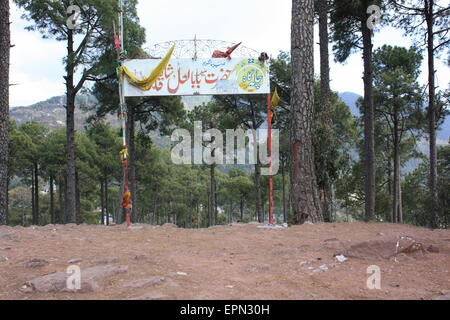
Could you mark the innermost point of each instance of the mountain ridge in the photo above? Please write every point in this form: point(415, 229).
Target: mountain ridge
point(52, 114)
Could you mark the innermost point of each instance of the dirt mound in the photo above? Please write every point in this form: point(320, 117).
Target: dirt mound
point(389, 247)
point(336, 244)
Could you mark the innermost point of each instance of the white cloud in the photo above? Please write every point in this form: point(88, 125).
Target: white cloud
point(30, 90)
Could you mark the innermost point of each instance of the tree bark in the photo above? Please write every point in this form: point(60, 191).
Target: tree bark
point(369, 140)
point(36, 193)
point(396, 189)
point(155, 211)
point(209, 205)
point(284, 189)
point(259, 213)
point(61, 189)
point(70, 185)
point(304, 193)
point(102, 201)
point(77, 200)
point(106, 200)
point(212, 195)
point(241, 208)
point(5, 44)
point(400, 203)
point(52, 200)
point(429, 17)
point(33, 200)
point(325, 94)
point(259, 216)
point(216, 201)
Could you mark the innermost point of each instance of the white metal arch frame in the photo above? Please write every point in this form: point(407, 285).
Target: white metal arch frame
point(199, 48)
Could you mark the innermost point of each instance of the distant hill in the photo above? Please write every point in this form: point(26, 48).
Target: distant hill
point(350, 99)
point(52, 113)
point(444, 133)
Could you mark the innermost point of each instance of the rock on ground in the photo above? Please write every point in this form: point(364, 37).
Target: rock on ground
point(36, 263)
point(9, 236)
point(169, 225)
point(92, 279)
point(106, 260)
point(147, 282)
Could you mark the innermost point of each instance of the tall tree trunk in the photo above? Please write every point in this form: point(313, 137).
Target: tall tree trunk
point(400, 203)
point(102, 201)
point(369, 140)
point(132, 161)
point(33, 200)
point(216, 201)
point(155, 211)
point(259, 217)
point(396, 189)
point(52, 200)
point(390, 182)
point(189, 218)
point(212, 195)
point(77, 199)
point(70, 194)
point(304, 193)
point(284, 189)
point(61, 192)
point(432, 116)
point(36, 192)
point(325, 95)
point(259, 213)
point(209, 205)
point(106, 200)
point(241, 208)
point(4, 108)
point(263, 212)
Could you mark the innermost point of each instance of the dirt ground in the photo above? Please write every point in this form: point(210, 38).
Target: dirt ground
point(231, 262)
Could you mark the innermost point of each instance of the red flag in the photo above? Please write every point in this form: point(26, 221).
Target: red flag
point(117, 42)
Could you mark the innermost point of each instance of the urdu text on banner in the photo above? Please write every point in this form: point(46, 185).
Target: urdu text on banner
point(188, 77)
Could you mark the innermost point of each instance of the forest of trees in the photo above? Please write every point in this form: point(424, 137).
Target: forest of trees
point(334, 166)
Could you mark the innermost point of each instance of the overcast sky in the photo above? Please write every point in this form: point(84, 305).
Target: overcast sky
point(264, 25)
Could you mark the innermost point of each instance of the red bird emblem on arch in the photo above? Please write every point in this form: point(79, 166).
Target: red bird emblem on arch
point(226, 54)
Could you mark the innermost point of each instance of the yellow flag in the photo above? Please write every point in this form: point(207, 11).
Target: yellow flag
point(147, 83)
point(275, 99)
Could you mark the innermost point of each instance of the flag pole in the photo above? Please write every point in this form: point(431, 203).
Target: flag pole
point(121, 53)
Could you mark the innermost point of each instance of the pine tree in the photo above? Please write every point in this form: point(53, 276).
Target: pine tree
point(350, 31)
point(304, 193)
point(4, 107)
point(429, 20)
point(54, 20)
point(322, 8)
point(398, 104)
